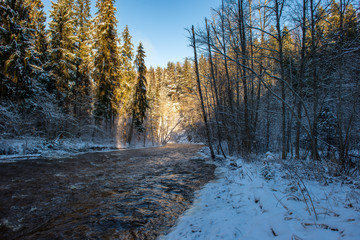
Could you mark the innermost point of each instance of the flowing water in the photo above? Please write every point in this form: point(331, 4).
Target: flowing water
point(129, 194)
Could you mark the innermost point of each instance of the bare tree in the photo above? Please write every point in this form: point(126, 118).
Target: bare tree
point(200, 94)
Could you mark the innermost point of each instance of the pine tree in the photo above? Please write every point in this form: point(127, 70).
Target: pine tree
point(82, 84)
point(342, 22)
point(62, 49)
point(22, 93)
point(16, 52)
point(140, 102)
point(152, 102)
point(170, 80)
point(188, 84)
point(327, 127)
point(106, 69)
point(37, 23)
point(128, 75)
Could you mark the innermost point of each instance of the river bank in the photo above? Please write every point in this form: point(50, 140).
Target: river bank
point(271, 199)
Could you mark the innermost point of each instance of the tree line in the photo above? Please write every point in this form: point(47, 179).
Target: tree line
point(76, 78)
point(281, 75)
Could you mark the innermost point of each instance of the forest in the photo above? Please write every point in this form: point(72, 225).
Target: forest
point(267, 75)
point(282, 76)
point(77, 78)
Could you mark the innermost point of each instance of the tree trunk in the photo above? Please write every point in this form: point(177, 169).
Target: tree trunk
point(314, 128)
point(300, 81)
point(215, 89)
point(207, 128)
point(241, 28)
point(278, 14)
point(129, 137)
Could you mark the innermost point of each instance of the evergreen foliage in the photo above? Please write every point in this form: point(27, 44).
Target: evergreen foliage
point(18, 61)
point(25, 103)
point(82, 89)
point(106, 62)
point(62, 50)
point(37, 23)
point(327, 127)
point(128, 74)
point(140, 101)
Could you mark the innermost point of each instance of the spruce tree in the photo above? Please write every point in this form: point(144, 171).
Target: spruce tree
point(140, 103)
point(345, 29)
point(83, 60)
point(106, 69)
point(22, 94)
point(83, 44)
point(37, 23)
point(128, 75)
point(171, 80)
point(188, 85)
point(62, 49)
point(16, 51)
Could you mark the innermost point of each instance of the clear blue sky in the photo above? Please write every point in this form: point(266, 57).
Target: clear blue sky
point(160, 25)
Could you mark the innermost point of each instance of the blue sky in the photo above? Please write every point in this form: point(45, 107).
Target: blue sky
point(160, 25)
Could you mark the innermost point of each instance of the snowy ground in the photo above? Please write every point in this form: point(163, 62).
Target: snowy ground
point(21, 149)
point(264, 200)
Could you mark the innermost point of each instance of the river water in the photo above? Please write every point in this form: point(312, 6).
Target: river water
point(128, 194)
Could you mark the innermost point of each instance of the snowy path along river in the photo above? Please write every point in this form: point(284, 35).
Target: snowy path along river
point(128, 194)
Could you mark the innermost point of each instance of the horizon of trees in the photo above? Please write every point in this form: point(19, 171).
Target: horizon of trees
point(78, 78)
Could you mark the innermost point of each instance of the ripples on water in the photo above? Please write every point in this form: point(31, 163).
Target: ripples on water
point(133, 194)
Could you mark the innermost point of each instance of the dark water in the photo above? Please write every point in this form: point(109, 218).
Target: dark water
point(132, 194)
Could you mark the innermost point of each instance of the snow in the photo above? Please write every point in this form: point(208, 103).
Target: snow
point(262, 199)
point(12, 150)
point(265, 200)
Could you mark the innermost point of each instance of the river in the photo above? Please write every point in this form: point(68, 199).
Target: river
point(126, 194)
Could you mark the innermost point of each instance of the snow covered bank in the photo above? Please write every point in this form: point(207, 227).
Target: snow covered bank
point(267, 200)
point(18, 149)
